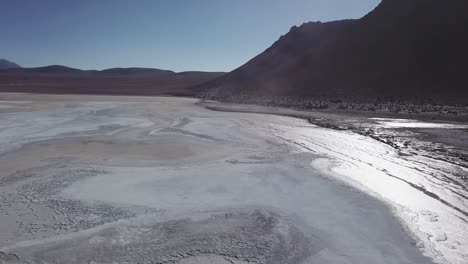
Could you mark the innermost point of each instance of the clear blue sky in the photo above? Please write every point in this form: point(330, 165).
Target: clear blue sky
point(209, 35)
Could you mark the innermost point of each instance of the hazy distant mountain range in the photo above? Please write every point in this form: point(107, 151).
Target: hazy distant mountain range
point(403, 48)
point(59, 69)
point(124, 81)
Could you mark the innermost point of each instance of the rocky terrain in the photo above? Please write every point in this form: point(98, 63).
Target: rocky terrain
point(387, 107)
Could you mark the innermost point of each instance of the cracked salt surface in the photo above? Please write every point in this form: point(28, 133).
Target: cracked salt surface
point(61, 120)
point(211, 187)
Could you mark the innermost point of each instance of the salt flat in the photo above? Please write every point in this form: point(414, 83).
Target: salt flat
point(90, 179)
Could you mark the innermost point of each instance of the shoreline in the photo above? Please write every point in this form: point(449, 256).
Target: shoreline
point(461, 117)
point(335, 122)
point(339, 121)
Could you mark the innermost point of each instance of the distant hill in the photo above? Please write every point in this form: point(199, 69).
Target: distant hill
point(60, 69)
point(403, 48)
point(127, 71)
point(52, 69)
point(5, 64)
point(118, 81)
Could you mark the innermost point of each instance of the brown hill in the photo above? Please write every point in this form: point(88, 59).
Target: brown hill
point(403, 48)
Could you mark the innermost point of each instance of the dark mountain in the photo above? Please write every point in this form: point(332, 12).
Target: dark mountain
point(5, 64)
point(403, 48)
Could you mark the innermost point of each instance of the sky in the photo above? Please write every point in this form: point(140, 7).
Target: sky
point(179, 35)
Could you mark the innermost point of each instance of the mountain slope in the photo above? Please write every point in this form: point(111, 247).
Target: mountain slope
point(403, 48)
point(5, 64)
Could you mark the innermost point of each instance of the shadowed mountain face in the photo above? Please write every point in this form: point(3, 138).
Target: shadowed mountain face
point(403, 48)
point(4, 64)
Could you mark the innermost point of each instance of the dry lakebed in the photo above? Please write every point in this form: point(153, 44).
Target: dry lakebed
point(102, 179)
